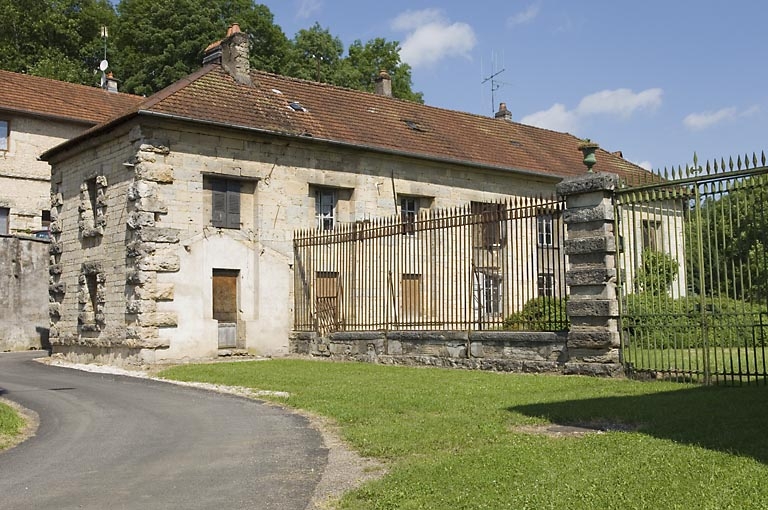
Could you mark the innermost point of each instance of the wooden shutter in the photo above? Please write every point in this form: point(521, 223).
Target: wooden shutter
point(219, 203)
point(233, 204)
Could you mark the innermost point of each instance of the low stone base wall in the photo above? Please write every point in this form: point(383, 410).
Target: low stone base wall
point(504, 351)
point(116, 356)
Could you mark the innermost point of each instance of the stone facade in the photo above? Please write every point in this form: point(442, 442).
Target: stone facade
point(24, 180)
point(152, 235)
point(23, 293)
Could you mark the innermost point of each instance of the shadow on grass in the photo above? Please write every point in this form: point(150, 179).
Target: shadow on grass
point(728, 419)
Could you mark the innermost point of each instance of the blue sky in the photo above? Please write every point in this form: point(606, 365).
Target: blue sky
point(655, 79)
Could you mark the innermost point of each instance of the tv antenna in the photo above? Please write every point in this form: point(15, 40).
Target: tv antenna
point(103, 65)
point(495, 85)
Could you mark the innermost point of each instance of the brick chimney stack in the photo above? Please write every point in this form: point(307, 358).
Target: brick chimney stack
point(110, 85)
point(232, 53)
point(503, 113)
point(383, 84)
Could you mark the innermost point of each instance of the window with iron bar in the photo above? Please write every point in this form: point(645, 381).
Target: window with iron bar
point(409, 210)
point(544, 229)
point(546, 284)
point(325, 208)
point(490, 230)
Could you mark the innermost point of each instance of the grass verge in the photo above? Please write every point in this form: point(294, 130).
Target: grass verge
point(11, 425)
point(461, 439)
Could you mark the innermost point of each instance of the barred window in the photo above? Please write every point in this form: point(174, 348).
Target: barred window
point(409, 210)
point(546, 284)
point(490, 225)
point(325, 208)
point(544, 228)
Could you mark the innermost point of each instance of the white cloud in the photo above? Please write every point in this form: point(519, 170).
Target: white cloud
point(432, 37)
point(704, 120)
point(411, 20)
point(620, 102)
point(644, 164)
point(523, 17)
point(557, 118)
point(308, 7)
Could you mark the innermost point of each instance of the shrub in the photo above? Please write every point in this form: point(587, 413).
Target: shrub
point(539, 314)
point(659, 321)
point(656, 273)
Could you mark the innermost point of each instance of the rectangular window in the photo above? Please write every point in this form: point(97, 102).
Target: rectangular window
point(325, 208)
point(225, 203)
point(5, 214)
point(91, 184)
point(91, 284)
point(45, 218)
point(489, 224)
point(546, 284)
point(488, 292)
point(651, 235)
point(409, 210)
point(544, 229)
point(410, 304)
point(4, 134)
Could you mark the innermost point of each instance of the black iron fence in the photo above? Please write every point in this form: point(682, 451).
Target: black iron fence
point(486, 266)
point(693, 273)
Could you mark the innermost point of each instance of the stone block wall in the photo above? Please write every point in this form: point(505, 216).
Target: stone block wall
point(505, 351)
point(24, 180)
point(23, 293)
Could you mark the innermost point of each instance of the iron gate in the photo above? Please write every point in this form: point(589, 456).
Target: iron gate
point(693, 273)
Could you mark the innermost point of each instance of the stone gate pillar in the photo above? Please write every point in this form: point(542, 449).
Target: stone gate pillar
point(590, 244)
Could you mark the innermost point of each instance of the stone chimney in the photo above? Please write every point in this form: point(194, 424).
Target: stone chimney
point(110, 83)
point(503, 113)
point(232, 53)
point(383, 84)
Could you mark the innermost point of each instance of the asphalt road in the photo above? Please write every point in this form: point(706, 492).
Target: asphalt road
point(115, 442)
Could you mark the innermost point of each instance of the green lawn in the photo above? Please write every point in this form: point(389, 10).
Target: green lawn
point(10, 425)
point(453, 438)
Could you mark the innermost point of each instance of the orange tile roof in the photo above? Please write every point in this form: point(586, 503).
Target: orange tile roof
point(361, 119)
point(32, 95)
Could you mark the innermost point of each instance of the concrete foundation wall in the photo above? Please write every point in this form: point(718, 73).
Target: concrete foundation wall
point(23, 294)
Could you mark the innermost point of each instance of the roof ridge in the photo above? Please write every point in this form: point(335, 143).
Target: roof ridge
point(60, 83)
point(257, 72)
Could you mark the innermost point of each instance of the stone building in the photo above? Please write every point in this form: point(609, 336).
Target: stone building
point(173, 222)
point(35, 115)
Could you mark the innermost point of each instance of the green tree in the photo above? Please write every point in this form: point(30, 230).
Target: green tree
point(160, 41)
point(315, 55)
point(58, 39)
point(364, 62)
point(731, 256)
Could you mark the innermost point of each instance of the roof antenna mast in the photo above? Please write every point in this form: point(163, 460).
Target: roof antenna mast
point(104, 64)
point(495, 85)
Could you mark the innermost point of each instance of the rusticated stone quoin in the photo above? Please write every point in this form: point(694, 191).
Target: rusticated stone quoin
point(593, 340)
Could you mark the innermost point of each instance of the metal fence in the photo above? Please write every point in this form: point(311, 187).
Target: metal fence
point(693, 278)
point(480, 267)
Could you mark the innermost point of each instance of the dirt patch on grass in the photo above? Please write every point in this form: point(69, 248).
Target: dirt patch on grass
point(575, 430)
